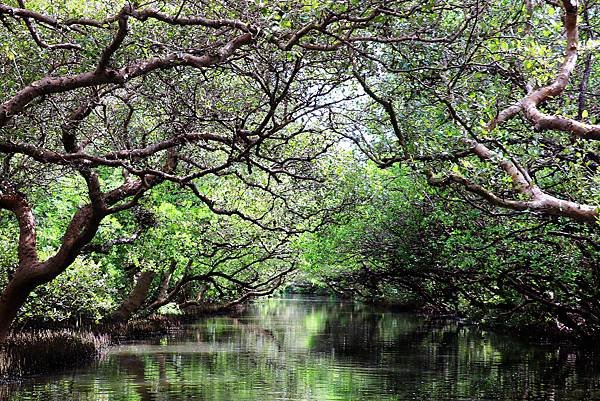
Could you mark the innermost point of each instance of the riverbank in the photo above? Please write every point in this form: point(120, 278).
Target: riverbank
point(531, 332)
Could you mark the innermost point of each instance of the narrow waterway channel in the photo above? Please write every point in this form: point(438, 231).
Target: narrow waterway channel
point(317, 349)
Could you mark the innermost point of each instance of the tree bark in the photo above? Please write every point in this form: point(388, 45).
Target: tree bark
point(135, 299)
point(11, 300)
point(165, 296)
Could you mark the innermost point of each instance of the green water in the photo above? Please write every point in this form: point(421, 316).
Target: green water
point(314, 349)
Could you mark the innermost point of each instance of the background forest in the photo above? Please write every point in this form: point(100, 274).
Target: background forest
point(188, 156)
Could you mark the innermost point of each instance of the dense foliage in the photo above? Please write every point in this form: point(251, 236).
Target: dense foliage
point(417, 247)
point(173, 156)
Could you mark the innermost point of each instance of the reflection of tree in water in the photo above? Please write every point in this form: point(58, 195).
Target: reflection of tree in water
point(350, 334)
point(330, 350)
point(135, 368)
point(449, 358)
point(440, 359)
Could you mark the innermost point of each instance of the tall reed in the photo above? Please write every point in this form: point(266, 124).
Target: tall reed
point(29, 353)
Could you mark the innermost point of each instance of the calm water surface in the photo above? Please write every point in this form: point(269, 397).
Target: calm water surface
point(311, 349)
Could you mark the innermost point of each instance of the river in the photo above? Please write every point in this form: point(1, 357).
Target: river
point(318, 349)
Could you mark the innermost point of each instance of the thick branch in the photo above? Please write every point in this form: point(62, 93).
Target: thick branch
point(16, 203)
point(537, 199)
point(116, 42)
point(530, 103)
point(51, 85)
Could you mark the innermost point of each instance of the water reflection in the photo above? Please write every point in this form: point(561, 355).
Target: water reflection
point(303, 349)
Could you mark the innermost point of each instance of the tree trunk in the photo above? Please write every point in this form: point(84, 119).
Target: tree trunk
point(164, 296)
point(81, 230)
point(11, 300)
point(135, 299)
